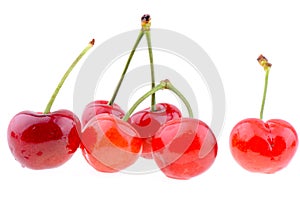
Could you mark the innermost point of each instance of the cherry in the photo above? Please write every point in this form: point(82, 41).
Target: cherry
point(45, 140)
point(264, 147)
point(41, 141)
point(92, 109)
point(184, 148)
point(110, 144)
point(102, 106)
point(147, 123)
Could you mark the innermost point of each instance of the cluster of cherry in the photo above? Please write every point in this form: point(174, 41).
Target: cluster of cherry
point(112, 140)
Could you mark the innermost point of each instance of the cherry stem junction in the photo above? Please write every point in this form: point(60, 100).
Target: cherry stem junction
point(146, 27)
point(267, 66)
point(165, 84)
point(60, 84)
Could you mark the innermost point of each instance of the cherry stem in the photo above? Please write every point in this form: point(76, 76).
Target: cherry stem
point(112, 100)
point(264, 94)
point(165, 84)
point(146, 27)
point(83, 52)
point(267, 66)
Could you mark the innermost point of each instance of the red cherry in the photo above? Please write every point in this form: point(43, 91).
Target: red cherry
point(100, 107)
point(92, 109)
point(184, 148)
point(265, 147)
point(42, 141)
point(46, 140)
point(147, 123)
point(110, 144)
point(260, 146)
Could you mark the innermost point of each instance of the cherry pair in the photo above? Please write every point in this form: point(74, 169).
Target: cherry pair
point(182, 148)
point(105, 128)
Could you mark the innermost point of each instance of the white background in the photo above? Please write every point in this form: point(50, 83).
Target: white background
point(39, 41)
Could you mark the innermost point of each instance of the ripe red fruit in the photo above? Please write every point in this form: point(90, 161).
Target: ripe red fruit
point(260, 146)
point(46, 140)
point(110, 144)
point(42, 141)
point(147, 123)
point(184, 148)
point(100, 107)
point(263, 146)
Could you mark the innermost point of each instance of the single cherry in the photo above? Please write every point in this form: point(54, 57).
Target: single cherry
point(184, 148)
point(110, 144)
point(264, 147)
point(49, 139)
point(147, 123)
point(42, 141)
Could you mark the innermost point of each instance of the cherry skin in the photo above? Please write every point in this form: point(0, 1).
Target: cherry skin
point(43, 141)
point(100, 107)
point(147, 123)
point(110, 144)
point(264, 147)
point(184, 148)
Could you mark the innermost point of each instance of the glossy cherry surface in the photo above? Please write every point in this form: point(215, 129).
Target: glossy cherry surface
point(100, 107)
point(265, 147)
point(147, 123)
point(110, 144)
point(184, 148)
point(42, 141)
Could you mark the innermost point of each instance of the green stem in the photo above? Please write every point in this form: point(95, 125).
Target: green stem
point(183, 99)
point(166, 84)
point(153, 102)
point(265, 92)
point(111, 102)
point(140, 100)
point(83, 52)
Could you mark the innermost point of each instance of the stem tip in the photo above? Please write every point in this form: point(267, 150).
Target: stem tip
point(146, 18)
point(92, 42)
point(263, 61)
point(146, 22)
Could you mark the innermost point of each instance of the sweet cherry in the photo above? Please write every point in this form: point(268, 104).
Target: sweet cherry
point(147, 123)
point(184, 148)
point(41, 141)
point(45, 140)
point(264, 147)
point(110, 144)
